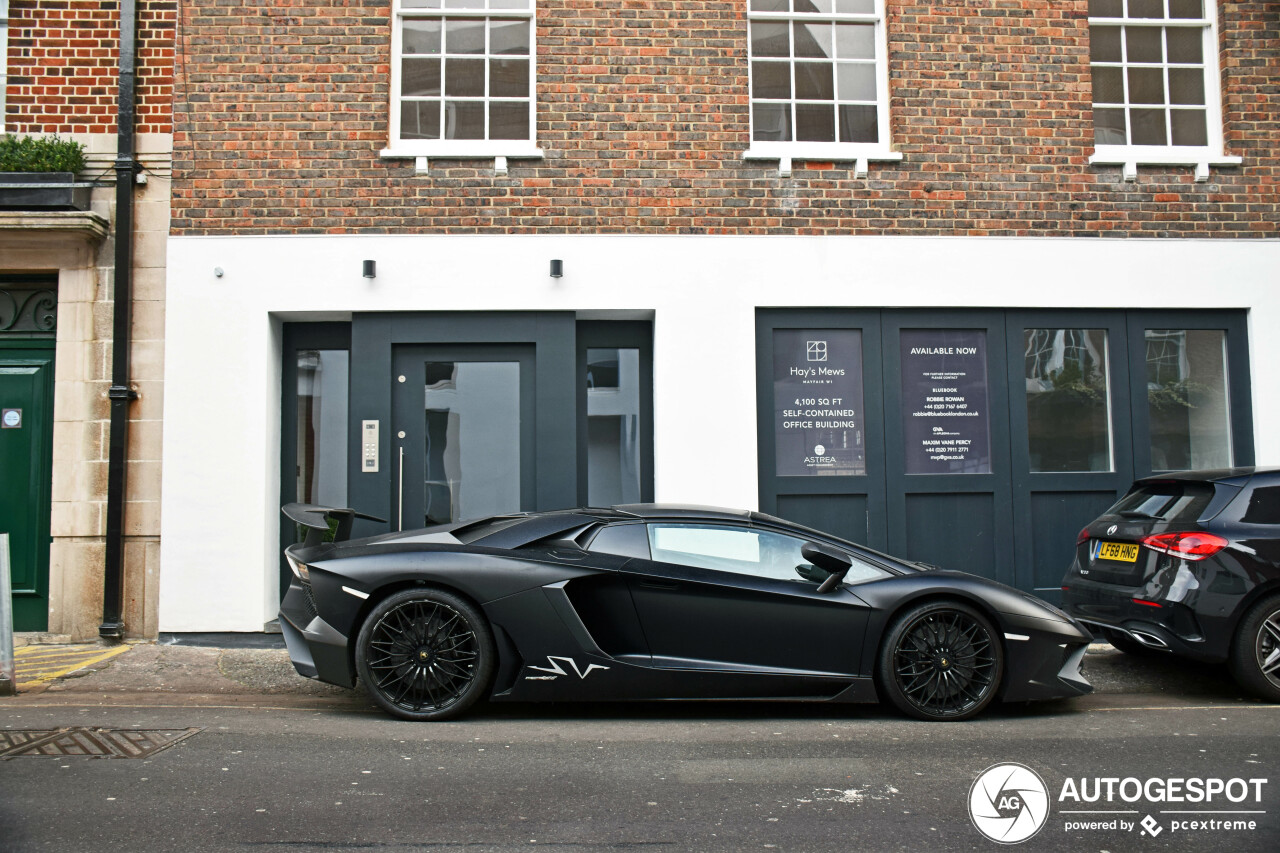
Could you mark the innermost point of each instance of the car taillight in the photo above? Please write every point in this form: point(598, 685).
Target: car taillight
point(1188, 546)
point(1083, 535)
point(1144, 601)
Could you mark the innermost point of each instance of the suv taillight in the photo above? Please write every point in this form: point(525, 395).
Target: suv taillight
point(1188, 546)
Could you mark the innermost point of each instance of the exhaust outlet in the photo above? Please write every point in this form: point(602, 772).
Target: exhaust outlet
point(1149, 640)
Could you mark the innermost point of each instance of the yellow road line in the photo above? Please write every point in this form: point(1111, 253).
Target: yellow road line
point(25, 676)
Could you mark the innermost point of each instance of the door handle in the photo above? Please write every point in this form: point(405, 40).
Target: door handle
point(400, 490)
point(659, 585)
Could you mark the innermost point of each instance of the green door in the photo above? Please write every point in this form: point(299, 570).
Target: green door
point(26, 455)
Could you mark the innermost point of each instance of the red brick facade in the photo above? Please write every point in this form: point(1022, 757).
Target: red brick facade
point(642, 113)
point(63, 66)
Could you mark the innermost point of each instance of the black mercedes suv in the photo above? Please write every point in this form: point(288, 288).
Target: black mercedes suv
point(1188, 563)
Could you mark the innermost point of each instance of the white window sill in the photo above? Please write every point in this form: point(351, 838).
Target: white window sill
point(498, 152)
point(787, 153)
point(1130, 157)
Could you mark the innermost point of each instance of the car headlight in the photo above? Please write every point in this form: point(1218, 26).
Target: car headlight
point(300, 569)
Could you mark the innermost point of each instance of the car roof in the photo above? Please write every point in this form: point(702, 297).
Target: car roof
point(1231, 476)
point(682, 511)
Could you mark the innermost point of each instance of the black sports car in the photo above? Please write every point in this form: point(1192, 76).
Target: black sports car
point(658, 602)
point(1188, 563)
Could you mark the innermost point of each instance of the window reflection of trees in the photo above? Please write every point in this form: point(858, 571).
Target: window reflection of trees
point(1068, 421)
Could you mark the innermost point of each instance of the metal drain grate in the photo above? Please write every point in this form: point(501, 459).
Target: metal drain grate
point(95, 743)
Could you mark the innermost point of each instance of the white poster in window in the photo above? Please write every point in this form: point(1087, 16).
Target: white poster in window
point(817, 402)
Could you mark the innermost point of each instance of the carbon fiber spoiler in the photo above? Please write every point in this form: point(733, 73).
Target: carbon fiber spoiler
point(316, 519)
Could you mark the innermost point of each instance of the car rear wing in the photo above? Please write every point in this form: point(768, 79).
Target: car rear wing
point(317, 519)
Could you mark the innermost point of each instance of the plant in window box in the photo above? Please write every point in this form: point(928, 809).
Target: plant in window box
point(38, 173)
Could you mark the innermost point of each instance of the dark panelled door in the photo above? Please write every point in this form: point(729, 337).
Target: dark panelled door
point(26, 448)
point(462, 432)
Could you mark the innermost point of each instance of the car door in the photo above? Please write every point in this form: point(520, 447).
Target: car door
point(716, 596)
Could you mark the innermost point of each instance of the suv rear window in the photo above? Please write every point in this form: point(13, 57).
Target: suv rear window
point(1171, 501)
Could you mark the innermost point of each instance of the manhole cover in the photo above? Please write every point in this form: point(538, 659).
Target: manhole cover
point(95, 743)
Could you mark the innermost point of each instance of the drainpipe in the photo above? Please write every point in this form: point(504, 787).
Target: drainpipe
point(120, 393)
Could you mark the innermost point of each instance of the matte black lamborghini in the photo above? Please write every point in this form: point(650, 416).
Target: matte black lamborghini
point(658, 602)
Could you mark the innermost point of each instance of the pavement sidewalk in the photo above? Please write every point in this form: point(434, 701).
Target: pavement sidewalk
point(158, 674)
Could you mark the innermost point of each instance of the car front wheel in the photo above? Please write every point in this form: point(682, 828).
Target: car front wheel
point(1255, 653)
point(425, 654)
point(941, 661)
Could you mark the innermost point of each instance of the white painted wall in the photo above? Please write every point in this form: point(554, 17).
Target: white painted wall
point(222, 390)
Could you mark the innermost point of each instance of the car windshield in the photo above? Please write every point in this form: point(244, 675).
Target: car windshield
point(1171, 500)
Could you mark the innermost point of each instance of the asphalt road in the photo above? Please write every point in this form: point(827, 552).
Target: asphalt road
point(323, 771)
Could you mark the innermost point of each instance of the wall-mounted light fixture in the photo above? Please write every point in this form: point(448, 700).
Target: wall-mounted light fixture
point(370, 269)
point(557, 268)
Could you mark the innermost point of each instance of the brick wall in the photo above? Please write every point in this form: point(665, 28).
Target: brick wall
point(643, 115)
point(63, 66)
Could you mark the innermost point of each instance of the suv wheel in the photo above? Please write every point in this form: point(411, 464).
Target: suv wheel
point(1255, 652)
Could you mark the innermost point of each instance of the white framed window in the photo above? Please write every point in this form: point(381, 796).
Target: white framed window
point(462, 79)
point(1156, 90)
point(819, 81)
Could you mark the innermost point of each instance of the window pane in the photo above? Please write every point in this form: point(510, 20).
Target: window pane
point(771, 122)
point(420, 119)
point(1108, 127)
point(815, 123)
point(1146, 8)
point(769, 39)
point(420, 77)
point(464, 77)
point(1104, 44)
point(613, 426)
point(1187, 398)
point(421, 4)
point(1186, 45)
point(759, 553)
point(1264, 506)
point(813, 6)
point(770, 5)
point(1185, 9)
point(421, 36)
point(813, 81)
point(813, 40)
point(1108, 85)
point(1144, 44)
point(464, 35)
point(1148, 127)
point(860, 7)
point(857, 81)
point(472, 452)
point(856, 41)
point(1106, 8)
point(1068, 407)
point(1186, 86)
point(509, 78)
point(464, 120)
point(509, 37)
point(859, 123)
point(1189, 127)
point(1146, 85)
point(509, 120)
point(322, 427)
point(771, 79)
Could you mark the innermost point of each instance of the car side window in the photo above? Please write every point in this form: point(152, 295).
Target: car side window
point(1264, 506)
point(741, 550)
point(623, 540)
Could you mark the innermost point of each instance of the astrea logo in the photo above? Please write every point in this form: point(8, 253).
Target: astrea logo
point(1008, 803)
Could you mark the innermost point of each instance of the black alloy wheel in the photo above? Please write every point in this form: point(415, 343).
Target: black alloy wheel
point(941, 661)
point(425, 654)
point(1255, 653)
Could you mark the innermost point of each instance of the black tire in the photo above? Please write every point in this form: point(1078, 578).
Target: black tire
point(1255, 651)
point(941, 660)
point(426, 654)
point(1124, 643)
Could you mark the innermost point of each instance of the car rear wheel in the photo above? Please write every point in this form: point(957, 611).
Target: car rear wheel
point(941, 661)
point(1255, 653)
point(425, 654)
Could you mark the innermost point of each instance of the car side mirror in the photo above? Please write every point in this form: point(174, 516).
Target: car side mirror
point(812, 573)
point(835, 563)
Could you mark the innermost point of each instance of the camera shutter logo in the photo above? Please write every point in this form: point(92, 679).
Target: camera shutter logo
point(1009, 803)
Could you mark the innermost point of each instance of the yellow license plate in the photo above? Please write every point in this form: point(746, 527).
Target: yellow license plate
point(1125, 552)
